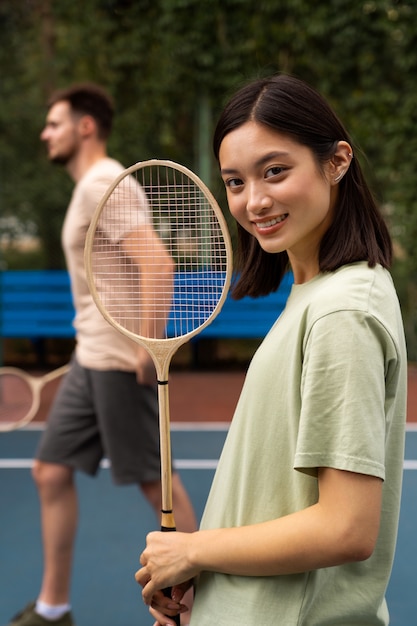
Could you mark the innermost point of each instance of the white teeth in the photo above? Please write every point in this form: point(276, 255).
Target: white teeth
point(272, 222)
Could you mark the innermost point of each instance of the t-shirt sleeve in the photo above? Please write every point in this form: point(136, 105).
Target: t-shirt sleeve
point(342, 421)
point(126, 210)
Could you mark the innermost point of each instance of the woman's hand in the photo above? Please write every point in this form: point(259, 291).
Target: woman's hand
point(163, 608)
point(165, 563)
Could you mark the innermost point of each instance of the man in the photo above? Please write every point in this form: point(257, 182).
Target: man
point(107, 403)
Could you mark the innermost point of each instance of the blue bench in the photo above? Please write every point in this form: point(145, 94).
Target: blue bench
point(37, 304)
point(248, 318)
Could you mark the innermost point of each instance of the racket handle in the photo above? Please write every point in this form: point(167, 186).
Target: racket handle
point(167, 590)
point(176, 618)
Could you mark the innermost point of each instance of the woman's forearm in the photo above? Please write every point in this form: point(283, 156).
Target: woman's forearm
point(342, 527)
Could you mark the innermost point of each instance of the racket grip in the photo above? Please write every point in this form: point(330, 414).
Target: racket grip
point(167, 590)
point(176, 618)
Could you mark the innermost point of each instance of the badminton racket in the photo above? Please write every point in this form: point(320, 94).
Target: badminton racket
point(158, 261)
point(20, 395)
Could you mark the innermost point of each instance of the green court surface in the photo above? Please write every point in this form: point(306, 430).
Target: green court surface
point(114, 522)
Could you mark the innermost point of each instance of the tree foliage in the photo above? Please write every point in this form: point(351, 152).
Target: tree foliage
point(170, 65)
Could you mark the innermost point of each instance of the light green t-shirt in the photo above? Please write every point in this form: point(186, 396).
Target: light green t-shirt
point(326, 388)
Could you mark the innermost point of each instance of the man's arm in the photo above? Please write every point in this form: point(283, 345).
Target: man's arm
point(156, 278)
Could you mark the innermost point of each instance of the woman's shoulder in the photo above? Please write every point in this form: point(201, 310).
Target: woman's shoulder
point(355, 287)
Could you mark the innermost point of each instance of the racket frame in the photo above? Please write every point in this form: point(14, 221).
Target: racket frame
point(160, 350)
point(36, 385)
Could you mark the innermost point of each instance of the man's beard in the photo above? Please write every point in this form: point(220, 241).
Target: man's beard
point(61, 159)
point(64, 157)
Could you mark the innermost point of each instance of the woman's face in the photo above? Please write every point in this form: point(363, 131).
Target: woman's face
point(277, 192)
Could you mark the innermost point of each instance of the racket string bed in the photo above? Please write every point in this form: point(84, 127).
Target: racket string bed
point(20, 395)
point(16, 398)
point(168, 203)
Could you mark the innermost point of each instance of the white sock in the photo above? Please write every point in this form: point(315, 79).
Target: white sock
point(51, 611)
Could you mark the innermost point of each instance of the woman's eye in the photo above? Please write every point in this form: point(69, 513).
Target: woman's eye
point(233, 182)
point(276, 170)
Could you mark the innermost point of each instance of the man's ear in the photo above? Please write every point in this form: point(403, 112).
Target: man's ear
point(340, 161)
point(87, 125)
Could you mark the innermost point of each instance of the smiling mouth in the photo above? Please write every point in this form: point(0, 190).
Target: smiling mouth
point(271, 222)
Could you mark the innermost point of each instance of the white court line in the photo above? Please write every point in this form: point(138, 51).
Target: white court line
point(197, 426)
point(16, 463)
point(183, 464)
point(410, 464)
point(180, 464)
point(175, 426)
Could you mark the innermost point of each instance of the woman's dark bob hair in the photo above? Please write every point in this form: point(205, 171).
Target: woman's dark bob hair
point(358, 231)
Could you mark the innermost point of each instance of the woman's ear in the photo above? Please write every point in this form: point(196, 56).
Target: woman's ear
point(340, 162)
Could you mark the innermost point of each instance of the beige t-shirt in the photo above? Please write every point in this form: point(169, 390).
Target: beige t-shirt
point(326, 388)
point(98, 345)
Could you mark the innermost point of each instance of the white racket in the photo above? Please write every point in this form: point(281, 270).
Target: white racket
point(157, 214)
point(20, 395)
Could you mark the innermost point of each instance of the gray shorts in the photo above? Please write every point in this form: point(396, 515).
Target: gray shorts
point(104, 413)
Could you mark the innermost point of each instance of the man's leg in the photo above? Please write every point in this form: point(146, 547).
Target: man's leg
point(185, 519)
point(59, 515)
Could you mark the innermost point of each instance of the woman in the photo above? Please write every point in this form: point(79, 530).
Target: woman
point(301, 521)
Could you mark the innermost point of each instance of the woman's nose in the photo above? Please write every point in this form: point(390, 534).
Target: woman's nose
point(258, 198)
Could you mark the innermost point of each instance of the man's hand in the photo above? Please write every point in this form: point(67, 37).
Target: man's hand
point(145, 368)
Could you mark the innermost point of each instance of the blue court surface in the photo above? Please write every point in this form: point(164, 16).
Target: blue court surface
point(114, 522)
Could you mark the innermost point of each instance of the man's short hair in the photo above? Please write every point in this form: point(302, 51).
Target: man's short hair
point(88, 99)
